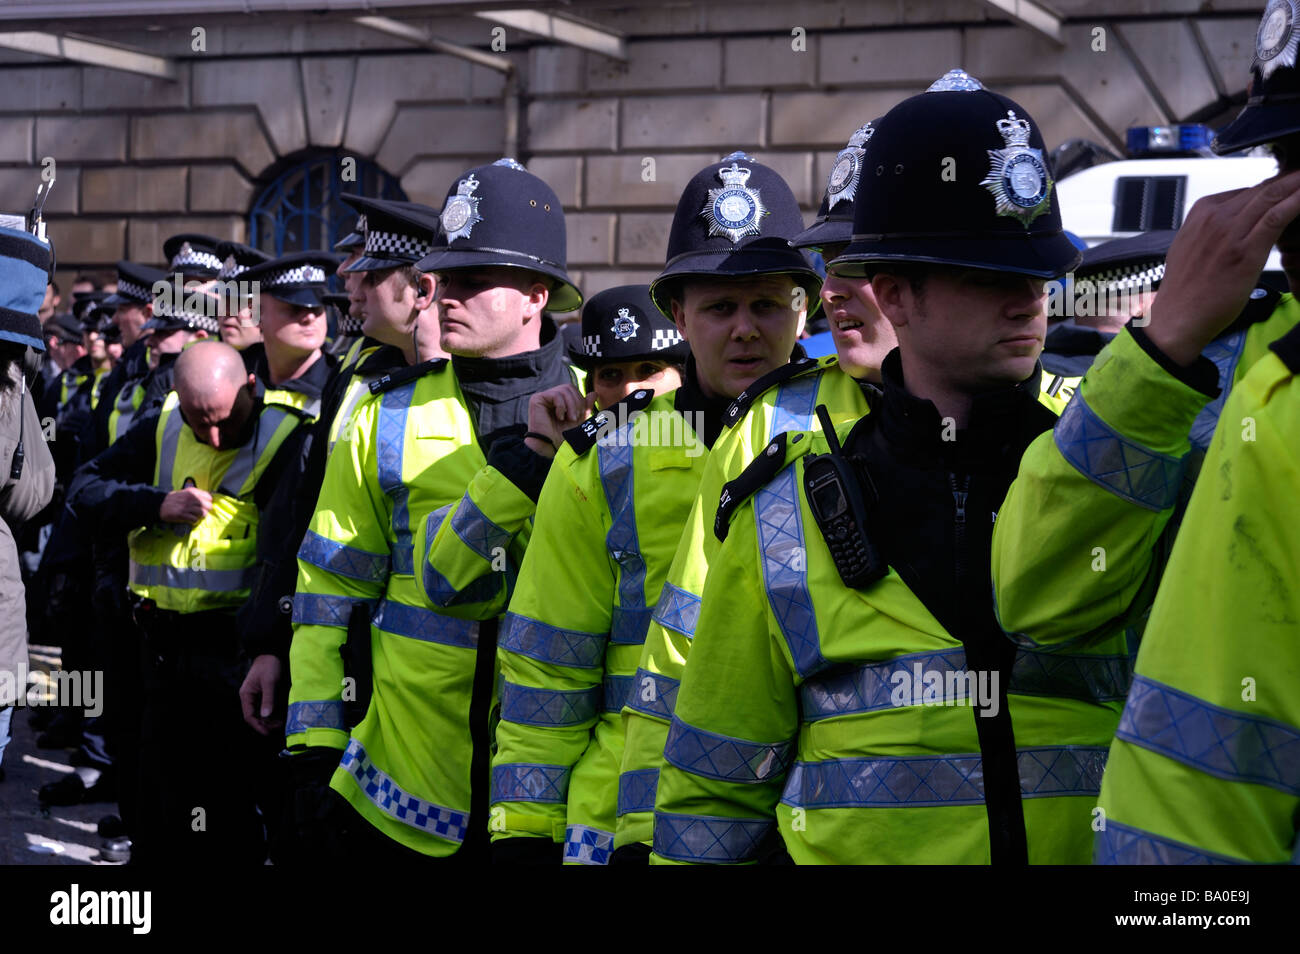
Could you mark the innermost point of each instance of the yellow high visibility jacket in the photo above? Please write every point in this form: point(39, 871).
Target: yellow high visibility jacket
point(208, 565)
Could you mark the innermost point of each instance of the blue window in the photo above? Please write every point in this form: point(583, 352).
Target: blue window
point(302, 208)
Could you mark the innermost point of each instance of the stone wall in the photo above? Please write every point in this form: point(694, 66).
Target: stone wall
point(139, 159)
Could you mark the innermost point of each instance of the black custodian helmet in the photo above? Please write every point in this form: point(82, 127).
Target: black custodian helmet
point(1273, 95)
point(958, 176)
point(735, 217)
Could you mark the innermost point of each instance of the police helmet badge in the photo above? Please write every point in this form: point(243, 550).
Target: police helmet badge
point(460, 214)
point(734, 210)
point(509, 164)
point(1018, 177)
point(230, 265)
point(843, 181)
point(1276, 40)
point(958, 81)
point(625, 326)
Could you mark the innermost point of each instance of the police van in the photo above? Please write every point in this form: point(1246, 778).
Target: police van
point(1169, 168)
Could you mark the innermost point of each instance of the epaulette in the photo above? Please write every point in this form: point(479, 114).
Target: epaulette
point(583, 437)
point(395, 379)
point(792, 369)
point(769, 462)
point(1288, 349)
point(383, 358)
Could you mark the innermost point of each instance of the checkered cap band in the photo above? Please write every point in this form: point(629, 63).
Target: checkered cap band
point(349, 327)
point(196, 257)
point(299, 275)
point(128, 289)
point(1126, 276)
point(162, 308)
point(233, 270)
point(409, 248)
point(591, 346)
point(664, 338)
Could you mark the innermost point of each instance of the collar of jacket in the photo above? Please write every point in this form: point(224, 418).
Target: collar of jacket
point(690, 399)
point(1066, 337)
point(497, 379)
point(996, 418)
point(311, 382)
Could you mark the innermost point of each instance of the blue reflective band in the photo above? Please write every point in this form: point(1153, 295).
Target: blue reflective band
point(678, 610)
point(1061, 770)
point(438, 588)
point(1109, 459)
point(628, 626)
point(526, 782)
point(314, 609)
point(795, 405)
point(1118, 844)
point(404, 559)
point(636, 791)
point(548, 707)
point(1225, 353)
point(587, 846)
point(390, 449)
point(617, 689)
point(725, 758)
point(926, 781)
point(318, 714)
point(389, 798)
point(874, 686)
point(1211, 739)
point(653, 694)
point(477, 532)
point(785, 573)
point(615, 462)
point(417, 622)
point(917, 781)
point(708, 838)
point(343, 560)
point(552, 644)
point(1084, 677)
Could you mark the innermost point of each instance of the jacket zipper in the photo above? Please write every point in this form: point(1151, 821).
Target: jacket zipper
point(959, 524)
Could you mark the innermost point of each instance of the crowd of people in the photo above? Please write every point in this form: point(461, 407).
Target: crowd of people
point(413, 573)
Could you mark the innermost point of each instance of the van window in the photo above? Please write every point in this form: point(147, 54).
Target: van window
point(1143, 203)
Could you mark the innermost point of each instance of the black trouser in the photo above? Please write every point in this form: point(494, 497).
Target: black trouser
point(207, 780)
point(345, 837)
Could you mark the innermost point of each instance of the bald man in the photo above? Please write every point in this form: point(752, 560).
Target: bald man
point(191, 482)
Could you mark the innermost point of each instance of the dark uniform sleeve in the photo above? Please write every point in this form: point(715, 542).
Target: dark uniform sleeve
point(115, 490)
point(286, 496)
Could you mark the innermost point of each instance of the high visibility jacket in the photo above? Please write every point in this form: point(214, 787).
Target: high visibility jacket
point(607, 526)
point(765, 410)
point(851, 730)
point(125, 403)
point(411, 450)
point(96, 385)
point(1203, 768)
point(471, 550)
point(358, 387)
point(1080, 542)
point(208, 565)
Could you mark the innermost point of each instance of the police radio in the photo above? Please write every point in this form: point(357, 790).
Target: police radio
point(833, 495)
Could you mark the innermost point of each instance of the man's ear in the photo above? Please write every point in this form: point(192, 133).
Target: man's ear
point(893, 296)
point(538, 294)
point(679, 317)
point(425, 291)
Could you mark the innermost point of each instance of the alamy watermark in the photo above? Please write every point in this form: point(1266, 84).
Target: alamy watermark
point(1067, 298)
point(946, 687)
point(621, 427)
point(215, 299)
point(73, 689)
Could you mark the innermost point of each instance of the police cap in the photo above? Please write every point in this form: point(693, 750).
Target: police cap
point(623, 324)
point(1273, 93)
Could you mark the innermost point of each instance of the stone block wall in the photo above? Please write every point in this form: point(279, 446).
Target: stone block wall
point(138, 158)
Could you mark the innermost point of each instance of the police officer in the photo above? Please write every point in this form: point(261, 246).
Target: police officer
point(1199, 771)
point(1086, 528)
point(238, 329)
point(191, 483)
point(778, 401)
point(853, 585)
point(611, 513)
point(414, 772)
point(624, 352)
point(194, 256)
point(124, 391)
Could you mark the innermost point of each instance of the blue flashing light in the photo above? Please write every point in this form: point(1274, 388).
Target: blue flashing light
point(1182, 139)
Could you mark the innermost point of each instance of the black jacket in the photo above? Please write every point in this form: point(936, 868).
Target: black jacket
point(933, 523)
